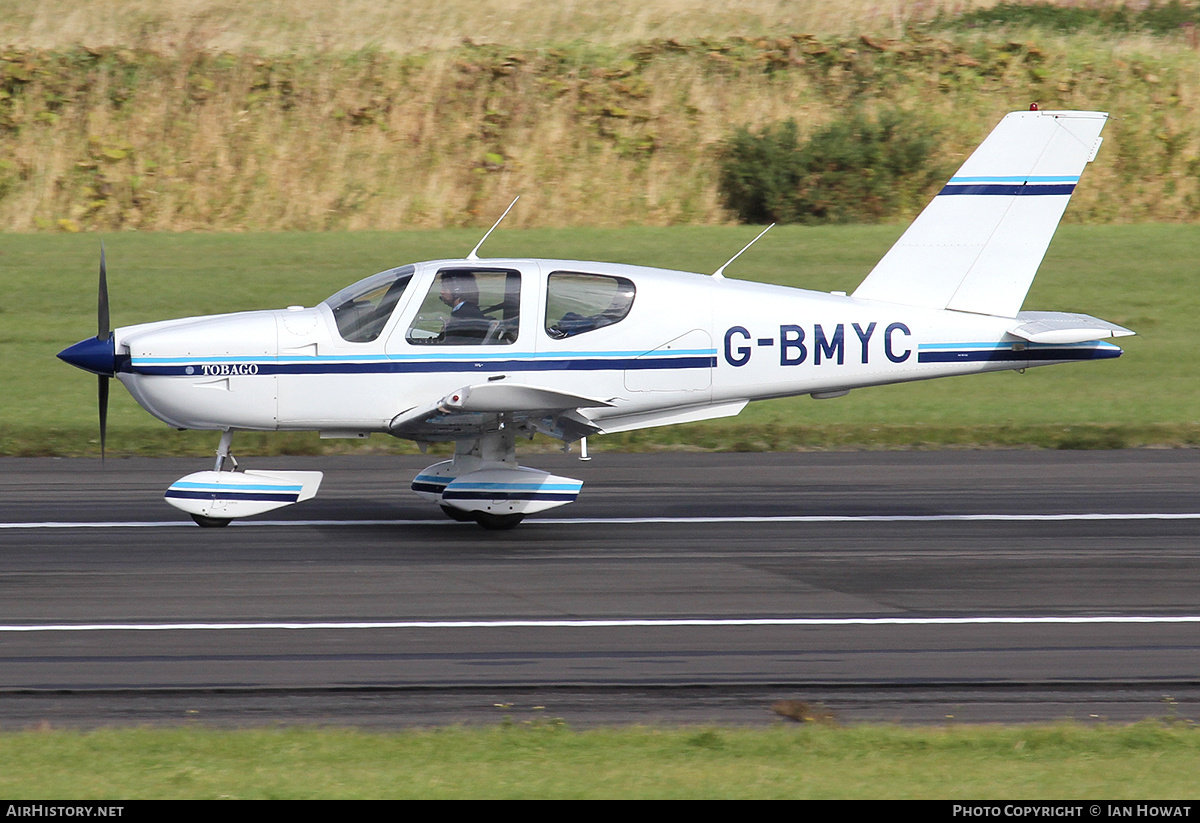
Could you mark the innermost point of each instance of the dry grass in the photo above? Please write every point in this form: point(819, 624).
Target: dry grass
point(276, 116)
point(363, 144)
point(276, 26)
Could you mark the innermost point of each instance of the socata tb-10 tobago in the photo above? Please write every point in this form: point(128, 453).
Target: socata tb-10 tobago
point(483, 351)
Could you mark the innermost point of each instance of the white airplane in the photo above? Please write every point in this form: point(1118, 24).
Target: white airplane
point(483, 351)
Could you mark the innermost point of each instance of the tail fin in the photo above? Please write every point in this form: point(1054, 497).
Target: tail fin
point(977, 246)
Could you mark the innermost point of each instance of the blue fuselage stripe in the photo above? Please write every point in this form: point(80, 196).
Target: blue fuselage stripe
point(195, 368)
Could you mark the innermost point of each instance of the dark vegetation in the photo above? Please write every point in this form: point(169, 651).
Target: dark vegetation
point(859, 168)
point(1154, 18)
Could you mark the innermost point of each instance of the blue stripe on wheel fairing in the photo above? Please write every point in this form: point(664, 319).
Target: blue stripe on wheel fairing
point(237, 486)
point(188, 490)
point(454, 494)
point(576, 486)
point(484, 490)
point(231, 493)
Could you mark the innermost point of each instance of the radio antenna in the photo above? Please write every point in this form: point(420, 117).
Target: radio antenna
point(720, 273)
point(473, 255)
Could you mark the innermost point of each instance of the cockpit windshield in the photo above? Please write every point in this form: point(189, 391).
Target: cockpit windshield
point(362, 310)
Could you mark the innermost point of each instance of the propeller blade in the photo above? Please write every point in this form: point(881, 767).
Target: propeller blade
point(102, 326)
point(103, 398)
point(103, 330)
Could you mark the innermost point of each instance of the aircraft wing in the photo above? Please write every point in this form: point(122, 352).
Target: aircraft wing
point(473, 410)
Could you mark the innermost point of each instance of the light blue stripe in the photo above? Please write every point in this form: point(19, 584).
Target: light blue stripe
point(945, 346)
point(367, 358)
point(544, 487)
point(1020, 178)
point(262, 358)
point(963, 345)
point(639, 353)
point(235, 487)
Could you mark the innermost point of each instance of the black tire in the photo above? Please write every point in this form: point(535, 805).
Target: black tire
point(210, 522)
point(498, 522)
point(457, 514)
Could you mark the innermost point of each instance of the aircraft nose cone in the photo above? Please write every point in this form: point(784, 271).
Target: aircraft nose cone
point(93, 354)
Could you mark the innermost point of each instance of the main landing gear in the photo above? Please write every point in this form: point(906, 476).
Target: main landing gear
point(483, 483)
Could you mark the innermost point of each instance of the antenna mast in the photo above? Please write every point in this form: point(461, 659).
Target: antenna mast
point(473, 255)
point(720, 273)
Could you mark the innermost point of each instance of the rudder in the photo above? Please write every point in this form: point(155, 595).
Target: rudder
point(978, 245)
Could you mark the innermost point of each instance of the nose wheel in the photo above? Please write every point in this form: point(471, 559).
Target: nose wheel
point(497, 522)
point(210, 522)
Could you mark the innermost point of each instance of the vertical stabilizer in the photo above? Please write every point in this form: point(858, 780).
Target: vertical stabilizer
point(978, 245)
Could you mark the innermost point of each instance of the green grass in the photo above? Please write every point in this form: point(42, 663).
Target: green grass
point(1141, 276)
point(548, 760)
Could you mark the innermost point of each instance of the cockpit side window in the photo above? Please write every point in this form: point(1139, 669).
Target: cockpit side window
point(362, 310)
point(469, 307)
point(577, 303)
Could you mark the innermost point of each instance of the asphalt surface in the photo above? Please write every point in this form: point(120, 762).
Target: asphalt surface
point(912, 587)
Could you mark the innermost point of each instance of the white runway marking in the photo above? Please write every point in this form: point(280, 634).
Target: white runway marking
point(597, 521)
point(603, 623)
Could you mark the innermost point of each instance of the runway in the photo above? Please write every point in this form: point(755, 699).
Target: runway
point(916, 587)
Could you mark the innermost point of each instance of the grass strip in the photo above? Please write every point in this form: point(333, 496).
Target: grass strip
point(547, 759)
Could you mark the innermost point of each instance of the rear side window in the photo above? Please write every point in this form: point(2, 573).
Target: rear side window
point(577, 303)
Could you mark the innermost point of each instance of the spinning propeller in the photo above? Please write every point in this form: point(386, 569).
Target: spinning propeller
point(97, 354)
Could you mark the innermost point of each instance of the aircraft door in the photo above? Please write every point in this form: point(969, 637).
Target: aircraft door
point(681, 364)
point(676, 349)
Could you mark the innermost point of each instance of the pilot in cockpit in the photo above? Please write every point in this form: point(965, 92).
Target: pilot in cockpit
point(467, 322)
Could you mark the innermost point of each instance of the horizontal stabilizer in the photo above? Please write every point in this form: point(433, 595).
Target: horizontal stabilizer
point(978, 245)
point(1059, 327)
